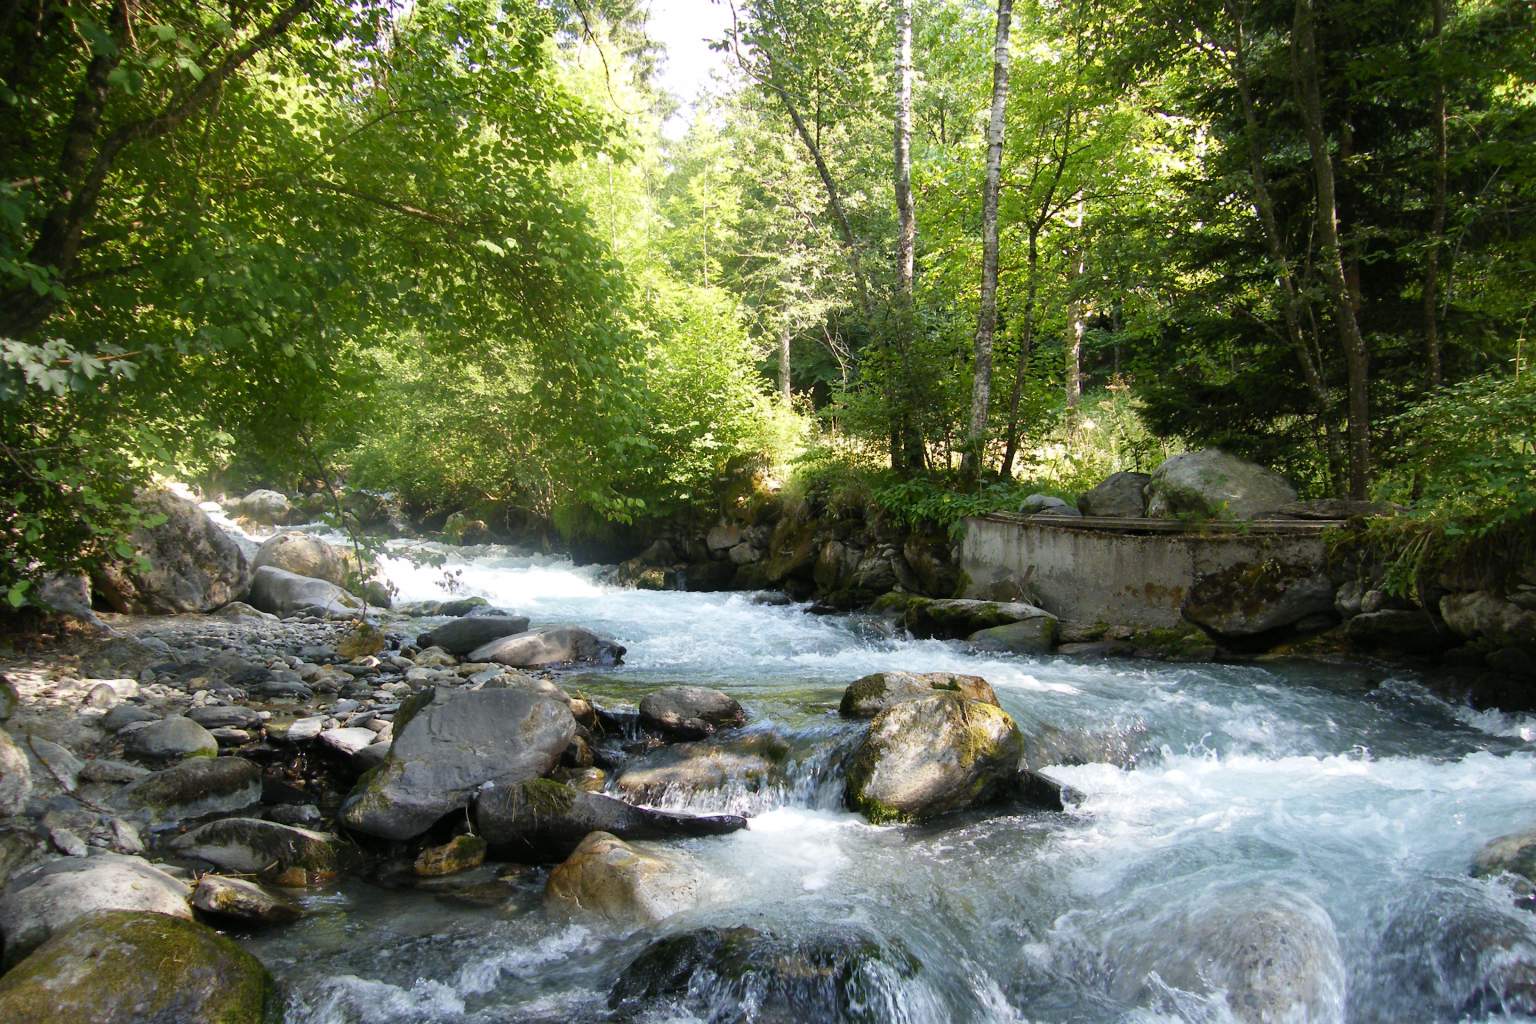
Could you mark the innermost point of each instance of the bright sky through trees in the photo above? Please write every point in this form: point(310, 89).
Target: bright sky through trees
point(685, 28)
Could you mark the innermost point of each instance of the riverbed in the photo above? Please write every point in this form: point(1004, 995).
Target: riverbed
point(1347, 800)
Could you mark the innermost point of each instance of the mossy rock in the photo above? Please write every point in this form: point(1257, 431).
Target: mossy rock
point(872, 694)
point(131, 967)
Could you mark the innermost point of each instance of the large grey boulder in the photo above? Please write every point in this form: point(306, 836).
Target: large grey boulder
point(1252, 600)
point(303, 554)
point(15, 776)
point(954, 618)
point(689, 712)
point(1514, 854)
point(463, 635)
point(253, 846)
point(926, 757)
point(270, 508)
point(868, 696)
point(129, 967)
point(542, 822)
point(192, 564)
point(1121, 495)
point(550, 645)
point(51, 897)
point(449, 743)
point(284, 594)
point(193, 788)
point(605, 877)
point(1210, 484)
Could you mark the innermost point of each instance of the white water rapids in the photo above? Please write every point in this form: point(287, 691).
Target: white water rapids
point(1338, 808)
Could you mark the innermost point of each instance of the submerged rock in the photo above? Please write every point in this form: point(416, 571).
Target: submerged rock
point(463, 635)
point(542, 821)
point(872, 694)
point(49, 898)
point(236, 899)
point(606, 877)
point(127, 967)
point(724, 974)
point(447, 744)
point(1210, 484)
point(682, 769)
point(253, 846)
point(1514, 854)
point(550, 645)
point(461, 853)
point(195, 787)
point(930, 756)
point(690, 712)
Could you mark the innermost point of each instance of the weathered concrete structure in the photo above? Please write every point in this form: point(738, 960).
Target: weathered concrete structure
point(1133, 572)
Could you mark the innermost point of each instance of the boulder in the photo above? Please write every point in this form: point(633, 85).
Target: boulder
point(1210, 484)
point(269, 508)
point(540, 821)
point(929, 756)
point(303, 554)
point(284, 594)
point(49, 898)
point(722, 537)
point(689, 712)
point(193, 788)
point(680, 770)
point(461, 853)
point(124, 715)
point(463, 635)
point(1045, 504)
point(1027, 636)
point(1484, 615)
point(1254, 599)
point(953, 618)
point(240, 611)
point(867, 697)
point(930, 557)
point(69, 594)
point(348, 742)
point(464, 528)
point(607, 878)
point(127, 967)
point(15, 776)
point(841, 973)
point(188, 563)
point(1121, 495)
point(1514, 854)
point(242, 901)
point(548, 646)
point(251, 846)
point(171, 739)
point(1397, 631)
point(449, 743)
point(363, 640)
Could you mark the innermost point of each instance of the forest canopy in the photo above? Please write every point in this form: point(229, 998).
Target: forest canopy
point(457, 253)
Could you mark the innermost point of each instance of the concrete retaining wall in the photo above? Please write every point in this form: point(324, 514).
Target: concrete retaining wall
point(1133, 572)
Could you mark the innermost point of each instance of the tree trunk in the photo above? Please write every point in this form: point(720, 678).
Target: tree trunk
point(906, 440)
point(1331, 255)
point(1026, 341)
point(986, 320)
point(1437, 215)
point(835, 201)
point(784, 338)
point(1073, 343)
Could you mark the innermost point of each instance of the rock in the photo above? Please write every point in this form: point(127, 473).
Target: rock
point(745, 761)
point(1121, 495)
point(139, 968)
point(449, 743)
point(124, 715)
point(286, 594)
point(463, 635)
point(106, 770)
point(239, 610)
point(954, 618)
point(49, 898)
point(722, 537)
point(606, 877)
point(300, 730)
point(172, 738)
point(348, 742)
point(269, 508)
point(193, 788)
point(15, 777)
point(842, 973)
point(303, 554)
point(540, 821)
point(251, 846)
point(1027, 636)
point(69, 594)
point(125, 656)
point(1485, 615)
point(461, 853)
point(10, 700)
point(930, 557)
point(1328, 509)
point(1514, 854)
point(1210, 484)
point(689, 712)
point(1252, 600)
point(362, 641)
point(550, 645)
point(473, 605)
point(1037, 504)
point(236, 899)
point(225, 716)
point(463, 528)
point(867, 697)
point(932, 755)
point(1404, 632)
point(193, 565)
point(53, 764)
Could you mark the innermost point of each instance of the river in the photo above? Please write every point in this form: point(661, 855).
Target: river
point(1347, 801)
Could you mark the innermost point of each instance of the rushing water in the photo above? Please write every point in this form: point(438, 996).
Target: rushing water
point(1340, 807)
